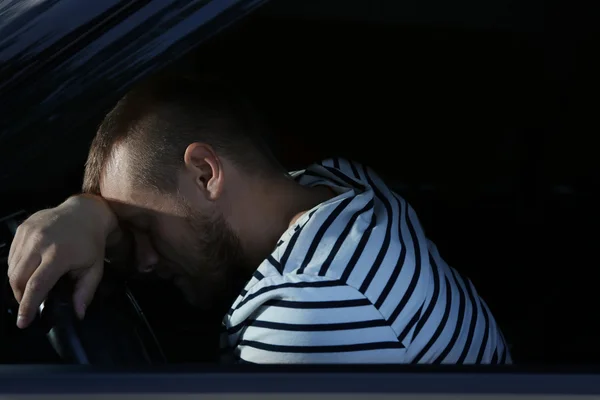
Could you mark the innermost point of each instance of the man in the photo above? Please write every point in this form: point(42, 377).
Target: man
point(325, 265)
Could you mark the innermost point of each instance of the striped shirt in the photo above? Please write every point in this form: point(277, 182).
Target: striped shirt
point(355, 280)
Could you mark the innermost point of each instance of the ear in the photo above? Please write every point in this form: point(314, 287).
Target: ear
point(205, 167)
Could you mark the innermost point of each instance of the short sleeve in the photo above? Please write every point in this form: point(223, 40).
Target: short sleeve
point(309, 323)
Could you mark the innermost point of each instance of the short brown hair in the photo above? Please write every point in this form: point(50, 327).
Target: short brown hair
point(160, 118)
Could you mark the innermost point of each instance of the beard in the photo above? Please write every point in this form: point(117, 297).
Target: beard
point(210, 263)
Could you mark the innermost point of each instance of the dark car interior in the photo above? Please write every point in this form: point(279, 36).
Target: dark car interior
point(481, 114)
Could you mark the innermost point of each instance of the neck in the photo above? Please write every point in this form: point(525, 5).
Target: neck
point(270, 207)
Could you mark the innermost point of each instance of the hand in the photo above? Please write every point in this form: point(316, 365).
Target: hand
point(68, 239)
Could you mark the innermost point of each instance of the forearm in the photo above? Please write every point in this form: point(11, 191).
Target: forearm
point(119, 243)
point(97, 211)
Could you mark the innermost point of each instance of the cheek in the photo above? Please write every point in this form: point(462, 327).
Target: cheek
point(170, 235)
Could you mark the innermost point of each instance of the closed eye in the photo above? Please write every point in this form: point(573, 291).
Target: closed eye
point(138, 223)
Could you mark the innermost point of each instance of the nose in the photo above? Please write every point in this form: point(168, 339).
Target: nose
point(146, 256)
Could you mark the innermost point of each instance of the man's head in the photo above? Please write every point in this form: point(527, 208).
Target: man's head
point(171, 158)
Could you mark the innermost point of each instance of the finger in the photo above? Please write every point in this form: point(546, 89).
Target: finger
point(23, 247)
point(15, 248)
point(20, 274)
point(11, 251)
point(39, 285)
point(85, 288)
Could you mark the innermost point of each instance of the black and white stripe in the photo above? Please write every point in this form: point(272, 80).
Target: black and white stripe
point(355, 280)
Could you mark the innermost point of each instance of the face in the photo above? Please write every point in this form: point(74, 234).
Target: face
point(182, 237)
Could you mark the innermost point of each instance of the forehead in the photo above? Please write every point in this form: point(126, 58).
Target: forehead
point(128, 198)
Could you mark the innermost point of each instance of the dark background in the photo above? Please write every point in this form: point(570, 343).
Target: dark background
point(482, 117)
point(482, 114)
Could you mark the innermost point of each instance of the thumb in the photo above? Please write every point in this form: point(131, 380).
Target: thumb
point(85, 288)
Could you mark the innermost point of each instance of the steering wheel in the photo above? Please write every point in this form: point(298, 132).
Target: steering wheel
point(114, 332)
